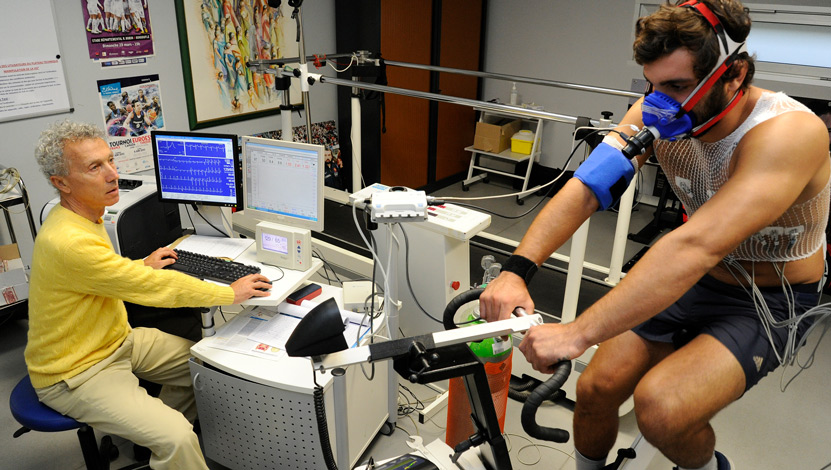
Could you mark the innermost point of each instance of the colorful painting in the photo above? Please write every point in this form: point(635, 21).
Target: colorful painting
point(218, 38)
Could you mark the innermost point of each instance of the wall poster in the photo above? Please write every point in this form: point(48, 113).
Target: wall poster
point(131, 108)
point(117, 29)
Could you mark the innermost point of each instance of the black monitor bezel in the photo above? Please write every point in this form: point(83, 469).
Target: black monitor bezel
point(237, 167)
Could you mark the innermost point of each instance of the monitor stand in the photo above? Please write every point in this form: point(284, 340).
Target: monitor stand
point(216, 220)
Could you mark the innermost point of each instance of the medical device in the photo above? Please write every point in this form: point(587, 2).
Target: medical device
point(197, 168)
point(283, 182)
point(284, 246)
point(663, 117)
point(430, 358)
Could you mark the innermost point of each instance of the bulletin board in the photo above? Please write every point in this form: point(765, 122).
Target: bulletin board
point(32, 78)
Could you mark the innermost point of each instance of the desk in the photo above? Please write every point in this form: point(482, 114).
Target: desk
point(258, 413)
point(289, 281)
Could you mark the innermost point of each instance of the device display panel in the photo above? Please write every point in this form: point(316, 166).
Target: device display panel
point(197, 168)
point(275, 243)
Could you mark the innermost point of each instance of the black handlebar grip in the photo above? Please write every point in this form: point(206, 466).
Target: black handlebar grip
point(543, 392)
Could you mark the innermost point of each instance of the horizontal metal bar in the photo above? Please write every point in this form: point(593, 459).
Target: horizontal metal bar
point(293, 60)
point(491, 170)
point(477, 332)
point(484, 105)
point(517, 78)
point(475, 73)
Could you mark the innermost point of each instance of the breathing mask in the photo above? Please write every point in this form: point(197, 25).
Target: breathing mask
point(666, 118)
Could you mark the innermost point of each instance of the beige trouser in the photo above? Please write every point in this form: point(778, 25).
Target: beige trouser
point(108, 397)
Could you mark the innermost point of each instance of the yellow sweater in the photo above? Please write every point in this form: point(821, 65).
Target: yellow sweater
point(76, 293)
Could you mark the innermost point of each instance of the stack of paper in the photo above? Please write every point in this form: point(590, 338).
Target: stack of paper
point(263, 331)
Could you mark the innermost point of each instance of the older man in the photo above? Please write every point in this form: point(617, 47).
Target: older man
point(83, 357)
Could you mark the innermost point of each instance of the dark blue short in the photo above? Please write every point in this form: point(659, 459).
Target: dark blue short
point(727, 313)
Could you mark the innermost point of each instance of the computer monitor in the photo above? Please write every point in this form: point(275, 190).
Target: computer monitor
point(197, 168)
point(283, 182)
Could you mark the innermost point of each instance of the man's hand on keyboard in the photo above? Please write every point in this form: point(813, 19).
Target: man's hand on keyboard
point(160, 258)
point(250, 286)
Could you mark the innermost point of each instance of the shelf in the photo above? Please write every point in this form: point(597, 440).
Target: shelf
point(505, 154)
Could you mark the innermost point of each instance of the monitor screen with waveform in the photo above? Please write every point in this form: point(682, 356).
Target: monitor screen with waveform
point(283, 182)
point(198, 168)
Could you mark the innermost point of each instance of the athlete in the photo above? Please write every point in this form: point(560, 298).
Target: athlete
point(138, 120)
point(142, 98)
point(113, 112)
point(681, 331)
point(136, 8)
point(95, 21)
point(109, 17)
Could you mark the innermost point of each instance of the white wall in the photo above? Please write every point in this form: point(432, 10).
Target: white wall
point(588, 43)
point(18, 137)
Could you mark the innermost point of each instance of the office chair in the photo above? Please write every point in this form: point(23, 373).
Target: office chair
point(35, 416)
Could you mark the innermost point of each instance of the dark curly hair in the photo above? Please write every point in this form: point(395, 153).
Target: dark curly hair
point(671, 28)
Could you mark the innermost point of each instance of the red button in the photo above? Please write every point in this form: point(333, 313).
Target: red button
point(455, 285)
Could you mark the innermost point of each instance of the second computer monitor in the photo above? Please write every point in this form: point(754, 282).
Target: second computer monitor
point(283, 182)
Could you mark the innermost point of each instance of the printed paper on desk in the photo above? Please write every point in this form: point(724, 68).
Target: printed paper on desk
point(220, 247)
point(233, 336)
point(276, 331)
point(301, 310)
point(280, 327)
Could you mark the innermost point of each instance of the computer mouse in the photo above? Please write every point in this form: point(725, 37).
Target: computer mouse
point(264, 289)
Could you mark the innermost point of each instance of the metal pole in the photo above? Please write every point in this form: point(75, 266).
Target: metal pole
point(475, 73)
point(303, 66)
point(621, 231)
point(341, 418)
point(356, 139)
point(292, 60)
point(285, 116)
point(517, 78)
point(483, 105)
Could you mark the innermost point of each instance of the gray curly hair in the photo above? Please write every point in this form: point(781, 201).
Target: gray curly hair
point(50, 147)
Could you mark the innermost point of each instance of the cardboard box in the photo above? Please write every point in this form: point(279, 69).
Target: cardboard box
point(495, 135)
point(14, 285)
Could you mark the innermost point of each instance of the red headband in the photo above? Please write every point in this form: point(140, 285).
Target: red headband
point(724, 46)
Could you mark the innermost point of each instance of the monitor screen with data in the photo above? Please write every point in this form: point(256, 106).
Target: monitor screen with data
point(283, 182)
point(198, 168)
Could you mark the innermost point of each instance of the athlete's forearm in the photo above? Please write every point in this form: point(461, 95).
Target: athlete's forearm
point(668, 270)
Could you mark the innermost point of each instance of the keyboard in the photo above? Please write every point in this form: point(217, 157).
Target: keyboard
point(211, 268)
point(128, 184)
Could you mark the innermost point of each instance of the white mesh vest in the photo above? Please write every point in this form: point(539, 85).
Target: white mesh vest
point(696, 170)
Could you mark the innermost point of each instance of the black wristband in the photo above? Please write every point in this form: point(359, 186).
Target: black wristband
point(521, 266)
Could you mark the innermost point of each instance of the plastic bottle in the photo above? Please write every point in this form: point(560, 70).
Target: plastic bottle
point(513, 94)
